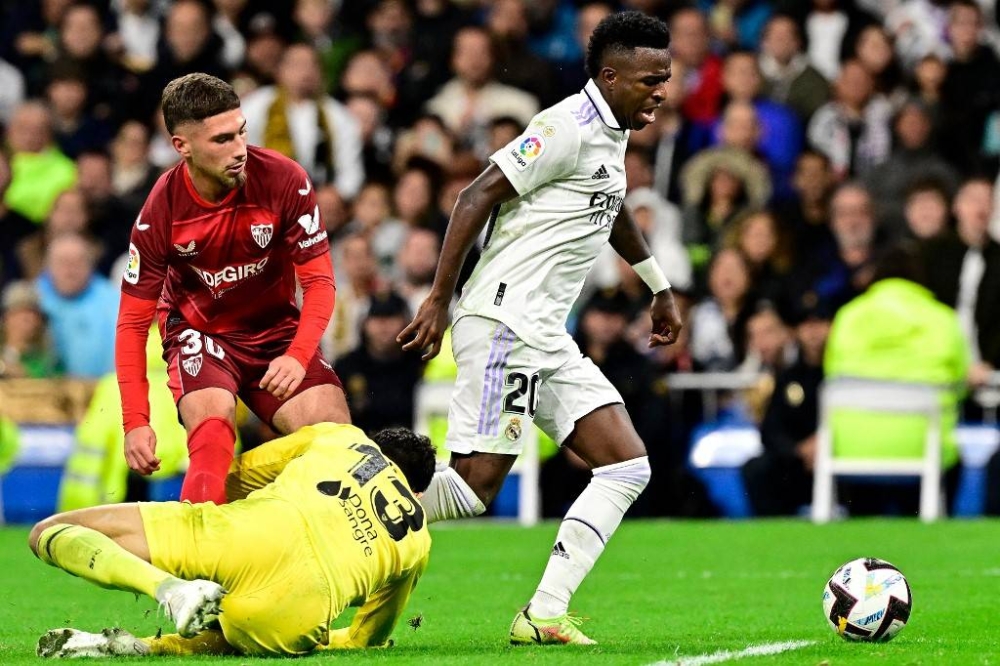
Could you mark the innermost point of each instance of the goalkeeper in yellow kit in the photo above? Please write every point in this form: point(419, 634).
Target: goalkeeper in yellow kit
point(319, 520)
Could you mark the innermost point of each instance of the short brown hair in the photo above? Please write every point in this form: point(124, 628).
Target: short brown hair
point(194, 97)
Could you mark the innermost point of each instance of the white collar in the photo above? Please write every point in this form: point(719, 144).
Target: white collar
point(597, 99)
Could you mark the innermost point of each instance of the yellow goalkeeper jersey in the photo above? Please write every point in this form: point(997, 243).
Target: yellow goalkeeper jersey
point(362, 520)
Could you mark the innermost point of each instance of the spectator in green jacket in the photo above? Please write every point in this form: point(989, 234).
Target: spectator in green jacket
point(39, 170)
point(26, 350)
point(896, 331)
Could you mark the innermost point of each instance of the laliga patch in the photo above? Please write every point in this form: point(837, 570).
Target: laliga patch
point(527, 152)
point(132, 268)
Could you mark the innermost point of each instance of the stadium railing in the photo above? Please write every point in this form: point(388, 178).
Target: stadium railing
point(988, 397)
point(47, 412)
point(711, 384)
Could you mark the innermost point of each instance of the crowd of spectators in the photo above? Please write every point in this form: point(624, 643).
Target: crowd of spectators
point(799, 141)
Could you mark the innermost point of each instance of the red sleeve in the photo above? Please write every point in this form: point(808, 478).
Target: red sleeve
point(149, 245)
point(134, 317)
point(303, 227)
point(319, 292)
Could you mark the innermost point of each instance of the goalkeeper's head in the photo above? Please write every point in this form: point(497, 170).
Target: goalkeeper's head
point(413, 454)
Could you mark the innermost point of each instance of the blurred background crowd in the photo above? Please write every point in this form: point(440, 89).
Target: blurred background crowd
point(807, 149)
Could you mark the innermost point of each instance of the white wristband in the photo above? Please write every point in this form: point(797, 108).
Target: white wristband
point(652, 275)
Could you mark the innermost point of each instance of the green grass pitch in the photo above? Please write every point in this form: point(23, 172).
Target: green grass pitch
point(663, 591)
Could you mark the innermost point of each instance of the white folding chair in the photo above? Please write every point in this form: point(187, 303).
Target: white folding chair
point(884, 397)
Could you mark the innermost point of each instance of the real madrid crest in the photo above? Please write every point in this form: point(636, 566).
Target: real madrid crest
point(513, 429)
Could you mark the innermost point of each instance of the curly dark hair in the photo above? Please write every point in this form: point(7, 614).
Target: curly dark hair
point(624, 31)
point(412, 453)
point(195, 97)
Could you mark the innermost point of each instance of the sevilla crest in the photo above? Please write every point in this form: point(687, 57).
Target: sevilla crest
point(262, 233)
point(192, 365)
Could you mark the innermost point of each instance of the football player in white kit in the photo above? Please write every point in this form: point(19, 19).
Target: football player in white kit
point(550, 200)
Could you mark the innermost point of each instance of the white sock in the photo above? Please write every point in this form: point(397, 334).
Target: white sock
point(448, 497)
point(589, 523)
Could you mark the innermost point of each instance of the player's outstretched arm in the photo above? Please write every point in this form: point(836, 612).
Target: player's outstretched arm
point(473, 208)
point(208, 642)
point(629, 243)
point(260, 466)
point(134, 317)
point(373, 623)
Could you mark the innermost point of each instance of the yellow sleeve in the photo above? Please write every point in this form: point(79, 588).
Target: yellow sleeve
point(257, 468)
point(374, 622)
point(209, 641)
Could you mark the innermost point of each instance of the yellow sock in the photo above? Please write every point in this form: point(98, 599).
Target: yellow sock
point(95, 557)
point(210, 641)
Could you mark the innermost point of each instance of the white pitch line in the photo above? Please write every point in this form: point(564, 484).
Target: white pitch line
point(732, 655)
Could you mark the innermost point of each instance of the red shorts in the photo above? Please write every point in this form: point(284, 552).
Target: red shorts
point(197, 361)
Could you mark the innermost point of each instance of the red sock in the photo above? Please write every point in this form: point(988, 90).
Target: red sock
point(210, 446)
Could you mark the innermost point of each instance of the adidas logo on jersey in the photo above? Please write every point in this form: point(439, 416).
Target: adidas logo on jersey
point(559, 551)
point(601, 174)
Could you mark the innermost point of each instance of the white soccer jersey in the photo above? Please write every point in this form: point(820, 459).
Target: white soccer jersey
point(568, 168)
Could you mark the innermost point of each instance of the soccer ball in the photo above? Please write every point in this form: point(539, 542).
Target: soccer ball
point(867, 600)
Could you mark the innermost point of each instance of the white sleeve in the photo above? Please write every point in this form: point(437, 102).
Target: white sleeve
point(548, 150)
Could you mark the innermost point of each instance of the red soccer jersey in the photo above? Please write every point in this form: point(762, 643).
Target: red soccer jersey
point(228, 268)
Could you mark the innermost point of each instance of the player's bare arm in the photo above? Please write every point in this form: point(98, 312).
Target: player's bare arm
point(628, 242)
point(471, 211)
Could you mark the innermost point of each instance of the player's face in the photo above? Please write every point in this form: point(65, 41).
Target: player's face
point(216, 148)
point(636, 83)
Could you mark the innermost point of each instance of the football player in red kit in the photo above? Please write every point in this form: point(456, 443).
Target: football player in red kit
point(215, 253)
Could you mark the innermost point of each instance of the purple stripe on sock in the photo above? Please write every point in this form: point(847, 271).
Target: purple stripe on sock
point(484, 405)
point(493, 427)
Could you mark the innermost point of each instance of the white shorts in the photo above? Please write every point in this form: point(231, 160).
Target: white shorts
point(503, 386)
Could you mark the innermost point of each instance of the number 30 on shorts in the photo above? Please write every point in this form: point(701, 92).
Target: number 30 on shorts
point(516, 402)
point(192, 344)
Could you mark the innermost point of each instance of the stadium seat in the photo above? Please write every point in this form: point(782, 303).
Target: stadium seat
point(29, 493)
point(885, 397)
point(29, 490)
point(717, 458)
point(976, 443)
point(166, 490)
